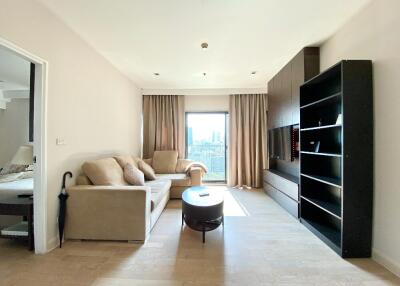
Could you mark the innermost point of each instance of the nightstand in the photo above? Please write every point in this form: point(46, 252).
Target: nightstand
point(19, 207)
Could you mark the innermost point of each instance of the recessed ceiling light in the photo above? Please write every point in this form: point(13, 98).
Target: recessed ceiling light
point(253, 72)
point(156, 74)
point(204, 46)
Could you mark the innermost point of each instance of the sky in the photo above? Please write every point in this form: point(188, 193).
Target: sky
point(203, 125)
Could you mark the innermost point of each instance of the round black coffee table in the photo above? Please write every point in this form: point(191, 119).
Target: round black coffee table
point(203, 208)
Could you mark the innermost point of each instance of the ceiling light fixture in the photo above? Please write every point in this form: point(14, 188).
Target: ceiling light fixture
point(156, 74)
point(253, 72)
point(204, 46)
point(204, 74)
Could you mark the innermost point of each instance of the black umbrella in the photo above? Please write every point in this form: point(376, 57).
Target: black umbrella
point(63, 196)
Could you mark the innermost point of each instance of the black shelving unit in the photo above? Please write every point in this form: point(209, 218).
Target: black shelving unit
point(336, 157)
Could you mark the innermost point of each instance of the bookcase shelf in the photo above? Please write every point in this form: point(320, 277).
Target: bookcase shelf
point(321, 127)
point(329, 141)
point(328, 207)
point(329, 235)
point(336, 186)
point(324, 101)
point(323, 179)
point(321, 154)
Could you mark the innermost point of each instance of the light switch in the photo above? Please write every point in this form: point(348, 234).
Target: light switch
point(60, 141)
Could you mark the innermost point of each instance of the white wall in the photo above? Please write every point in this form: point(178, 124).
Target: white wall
point(90, 104)
point(374, 34)
point(14, 128)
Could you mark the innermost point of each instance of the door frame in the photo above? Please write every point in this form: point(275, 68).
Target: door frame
point(39, 143)
point(226, 113)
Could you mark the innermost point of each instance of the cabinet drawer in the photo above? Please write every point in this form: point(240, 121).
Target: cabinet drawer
point(287, 187)
point(286, 202)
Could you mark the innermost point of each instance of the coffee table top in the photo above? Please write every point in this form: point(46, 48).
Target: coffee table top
point(192, 196)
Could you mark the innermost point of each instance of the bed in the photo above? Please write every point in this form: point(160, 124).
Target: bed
point(15, 188)
point(10, 189)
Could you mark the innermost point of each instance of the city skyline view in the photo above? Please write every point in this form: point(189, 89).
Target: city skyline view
point(206, 142)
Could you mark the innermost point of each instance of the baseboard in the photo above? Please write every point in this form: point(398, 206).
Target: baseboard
point(385, 261)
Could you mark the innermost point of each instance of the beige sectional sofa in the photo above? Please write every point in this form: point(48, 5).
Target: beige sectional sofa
point(119, 211)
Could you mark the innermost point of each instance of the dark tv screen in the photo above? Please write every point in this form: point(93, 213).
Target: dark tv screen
point(283, 143)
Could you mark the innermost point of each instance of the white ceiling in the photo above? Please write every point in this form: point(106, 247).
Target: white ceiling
point(14, 71)
point(141, 37)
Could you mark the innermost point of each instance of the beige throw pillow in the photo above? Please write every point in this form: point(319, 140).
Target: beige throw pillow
point(125, 159)
point(147, 170)
point(164, 162)
point(133, 175)
point(104, 172)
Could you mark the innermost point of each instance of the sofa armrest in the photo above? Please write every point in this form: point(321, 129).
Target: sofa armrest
point(196, 176)
point(108, 212)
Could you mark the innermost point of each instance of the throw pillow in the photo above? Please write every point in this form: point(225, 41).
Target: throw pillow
point(133, 175)
point(104, 172)
point(164, 162)
point(125, 159)
point(147, 170)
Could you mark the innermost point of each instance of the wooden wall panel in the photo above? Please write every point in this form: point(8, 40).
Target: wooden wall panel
point(284, 88)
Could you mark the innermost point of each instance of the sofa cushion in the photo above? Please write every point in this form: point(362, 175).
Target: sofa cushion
point(159, 189)
point(104, 172)
point(83, 180)
point(133, 175)
point(182, 165)
point(178, 180)
point(126, 159)
point(164, 162)
point(147, 170)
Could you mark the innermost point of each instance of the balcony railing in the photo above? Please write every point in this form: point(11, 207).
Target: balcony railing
point(211, 155)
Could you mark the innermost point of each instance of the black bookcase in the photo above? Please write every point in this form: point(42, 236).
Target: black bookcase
point(336, 157)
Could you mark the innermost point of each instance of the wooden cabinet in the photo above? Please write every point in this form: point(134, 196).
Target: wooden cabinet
point(284, 88)
point(284, 189)
point(284, 110)
point(297, 80)
point(286, 95)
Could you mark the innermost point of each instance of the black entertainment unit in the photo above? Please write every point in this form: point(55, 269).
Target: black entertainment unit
point(336, 157)
point(284, 189)
point(281, 180)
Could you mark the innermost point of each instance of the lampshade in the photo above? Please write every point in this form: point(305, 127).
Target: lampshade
point(24, 156)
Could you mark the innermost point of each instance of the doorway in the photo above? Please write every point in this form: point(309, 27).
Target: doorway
point(206, 142)
point(37, 138)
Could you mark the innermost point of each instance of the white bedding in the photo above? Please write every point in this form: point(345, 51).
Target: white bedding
point(15, 188)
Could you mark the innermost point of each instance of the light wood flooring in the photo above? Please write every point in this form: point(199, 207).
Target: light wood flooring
point(260, 245)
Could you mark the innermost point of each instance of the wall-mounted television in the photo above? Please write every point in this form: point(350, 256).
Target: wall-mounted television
point(283, 143)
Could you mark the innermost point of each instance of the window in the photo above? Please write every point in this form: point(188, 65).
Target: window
point(206, 142)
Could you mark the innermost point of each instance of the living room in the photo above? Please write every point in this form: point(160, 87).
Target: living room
point(97, 63)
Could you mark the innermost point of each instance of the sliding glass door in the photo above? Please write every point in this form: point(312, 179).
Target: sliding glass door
point(206, 142)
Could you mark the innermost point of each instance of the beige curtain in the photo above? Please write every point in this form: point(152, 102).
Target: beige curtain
point(163, 124)
point(247, 139)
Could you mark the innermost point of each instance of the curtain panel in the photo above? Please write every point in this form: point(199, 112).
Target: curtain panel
point(163, 124)
point(247, 139)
